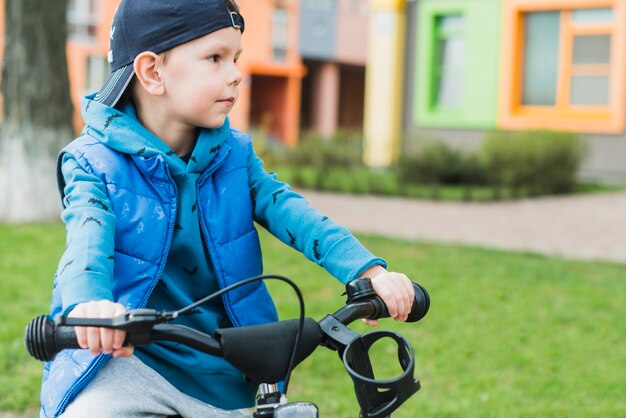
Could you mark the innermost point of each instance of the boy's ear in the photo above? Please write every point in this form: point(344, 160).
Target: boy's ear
point(147, 67)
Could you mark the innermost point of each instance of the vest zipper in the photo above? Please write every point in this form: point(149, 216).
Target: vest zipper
point(100, 360)
point(79, 384)
point(220, 280)
point(168, 246)
point(208, 241)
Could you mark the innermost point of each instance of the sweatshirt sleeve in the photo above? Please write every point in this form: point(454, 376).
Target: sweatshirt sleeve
point(289, 217)
point(86, 267)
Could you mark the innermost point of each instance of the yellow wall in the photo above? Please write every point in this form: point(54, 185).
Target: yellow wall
point(383, 82)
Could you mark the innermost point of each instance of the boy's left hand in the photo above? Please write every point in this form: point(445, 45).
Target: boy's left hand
point(395, 289)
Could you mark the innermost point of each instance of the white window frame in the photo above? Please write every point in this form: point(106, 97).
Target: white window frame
point(82, 18)
point(97, 70)
point(280, 33)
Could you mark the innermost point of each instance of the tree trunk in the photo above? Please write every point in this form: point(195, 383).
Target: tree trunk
point(37, 109)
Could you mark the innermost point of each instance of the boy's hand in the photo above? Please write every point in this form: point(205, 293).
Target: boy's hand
point(101, 339)
point(395, 289)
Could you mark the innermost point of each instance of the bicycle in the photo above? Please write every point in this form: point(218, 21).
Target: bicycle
point(289, 342)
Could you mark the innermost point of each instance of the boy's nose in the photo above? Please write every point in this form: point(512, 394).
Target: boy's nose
point(236, 77)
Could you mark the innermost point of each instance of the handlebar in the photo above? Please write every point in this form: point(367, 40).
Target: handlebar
point(46, 337)
point(364, 303)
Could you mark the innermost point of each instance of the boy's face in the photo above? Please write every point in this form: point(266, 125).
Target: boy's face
point(201, 79)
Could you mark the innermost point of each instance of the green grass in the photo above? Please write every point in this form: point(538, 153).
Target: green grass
point(508, 335)
point(28, 258)
point(600, 187)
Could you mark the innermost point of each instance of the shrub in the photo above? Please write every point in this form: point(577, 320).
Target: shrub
point(357, 180)
point(306, 177)
point(533, 162)
point(512, 164)
point(343, 149)
point(272, 151)
point(438, 163)
point(385, 182)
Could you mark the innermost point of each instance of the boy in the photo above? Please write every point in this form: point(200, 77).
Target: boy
point(160, 196)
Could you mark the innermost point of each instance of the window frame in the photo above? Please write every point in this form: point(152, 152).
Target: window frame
point(439, 34)
point(97, 69)
point(83, 18)
point(608, 118)
point(483, 27)
point(280, 34)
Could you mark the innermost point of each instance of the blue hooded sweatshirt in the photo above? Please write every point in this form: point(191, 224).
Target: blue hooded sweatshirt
point(165, 250)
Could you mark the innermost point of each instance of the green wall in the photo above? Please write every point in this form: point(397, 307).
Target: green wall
point(482, 31)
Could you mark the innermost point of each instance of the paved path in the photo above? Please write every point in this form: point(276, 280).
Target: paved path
point(582, 227)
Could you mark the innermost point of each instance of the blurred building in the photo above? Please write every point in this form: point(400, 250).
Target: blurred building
point(476, 66)
point(271, 65)
point(301, 60)
point(89, 25)
point(333, 45)
point(447, 69)
point(272, 69)
point(304, 66)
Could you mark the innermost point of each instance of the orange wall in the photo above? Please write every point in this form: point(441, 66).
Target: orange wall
point(256, 59)
point(1, 29)
point(257, 37)
point(1, 51)
point(78, 51)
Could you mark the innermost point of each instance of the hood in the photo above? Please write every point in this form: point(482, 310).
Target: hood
point(120, 130)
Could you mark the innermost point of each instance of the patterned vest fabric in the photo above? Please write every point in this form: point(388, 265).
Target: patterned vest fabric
point(144, 200)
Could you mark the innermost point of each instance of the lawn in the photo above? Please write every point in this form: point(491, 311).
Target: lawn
point(508, 335)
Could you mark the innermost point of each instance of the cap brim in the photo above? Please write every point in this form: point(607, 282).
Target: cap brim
point(115, 85)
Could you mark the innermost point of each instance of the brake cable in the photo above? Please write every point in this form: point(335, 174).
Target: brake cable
point(174, 314)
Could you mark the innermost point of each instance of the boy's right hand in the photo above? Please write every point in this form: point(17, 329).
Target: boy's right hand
point(107, 340)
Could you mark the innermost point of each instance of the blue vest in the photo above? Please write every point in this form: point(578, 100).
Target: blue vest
point(143, 197)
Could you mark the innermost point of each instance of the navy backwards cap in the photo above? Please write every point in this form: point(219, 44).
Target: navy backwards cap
point(157, 26)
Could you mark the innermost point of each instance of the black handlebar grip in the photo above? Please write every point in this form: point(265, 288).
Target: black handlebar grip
point(421, 304)
point(44, 340)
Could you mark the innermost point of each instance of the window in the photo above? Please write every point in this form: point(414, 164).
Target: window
point(359, 7)
point(82, 18)
point(325, 5)
point(567, 58)
point(321, 27)
point(279, 34)
point(591, 57)
point(449, 61)
point(563, 65)
point(541, 58)
point(98, 70)
point(455, 56)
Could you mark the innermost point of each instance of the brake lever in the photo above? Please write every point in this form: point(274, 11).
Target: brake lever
point(137, 323)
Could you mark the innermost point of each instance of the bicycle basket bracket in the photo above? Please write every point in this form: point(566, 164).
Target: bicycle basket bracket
point(379, 398)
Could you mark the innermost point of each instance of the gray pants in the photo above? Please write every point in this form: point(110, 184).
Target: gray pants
point(126, 387)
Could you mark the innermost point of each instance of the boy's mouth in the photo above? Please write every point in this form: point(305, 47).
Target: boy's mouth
point(229, 100)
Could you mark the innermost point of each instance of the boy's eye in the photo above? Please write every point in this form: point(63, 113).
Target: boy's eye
point(214, 58)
